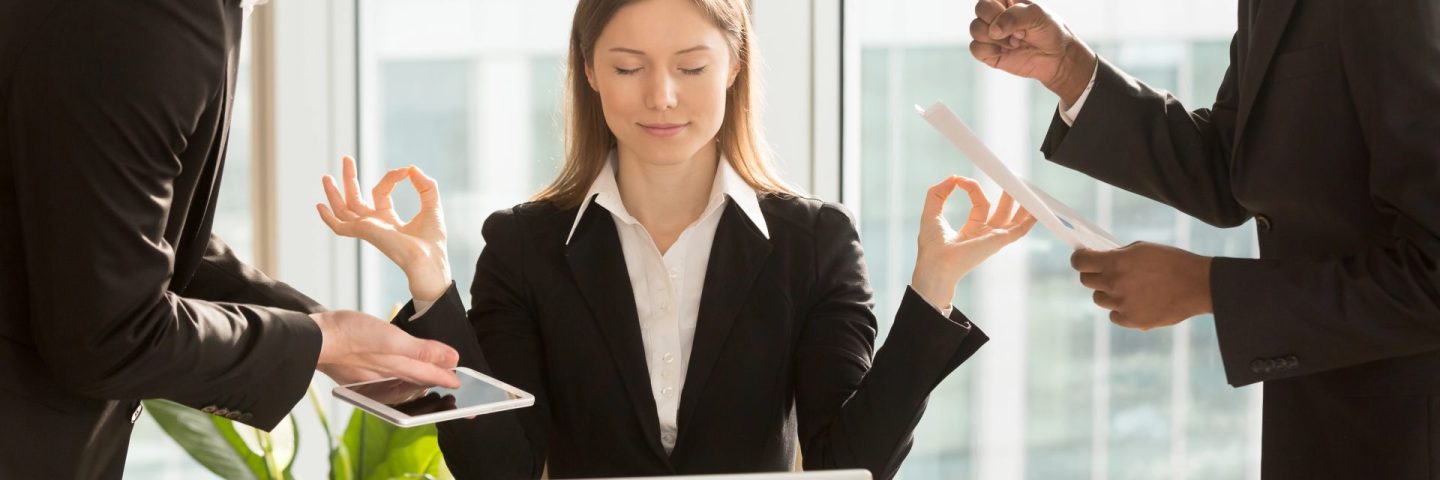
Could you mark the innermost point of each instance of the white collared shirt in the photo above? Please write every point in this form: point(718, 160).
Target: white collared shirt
point(248, 6)
point(667, 287)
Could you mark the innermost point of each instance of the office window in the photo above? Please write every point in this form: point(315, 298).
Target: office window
point(1059, 392)
point(469, 91)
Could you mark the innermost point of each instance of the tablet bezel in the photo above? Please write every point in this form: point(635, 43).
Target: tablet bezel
point(400, 419)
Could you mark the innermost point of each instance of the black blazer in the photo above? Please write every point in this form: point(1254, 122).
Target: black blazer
point(783, 349)
point(1326, 130)
point(113, 120)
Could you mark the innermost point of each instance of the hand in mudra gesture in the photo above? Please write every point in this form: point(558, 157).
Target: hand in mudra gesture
point(417, 246)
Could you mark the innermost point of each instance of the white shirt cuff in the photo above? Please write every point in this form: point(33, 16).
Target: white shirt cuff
point(1068, 114)
point(422, 306)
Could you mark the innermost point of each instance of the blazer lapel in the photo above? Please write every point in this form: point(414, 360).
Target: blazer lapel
point(598, 263)
point(1266, 27)
point(736, 258)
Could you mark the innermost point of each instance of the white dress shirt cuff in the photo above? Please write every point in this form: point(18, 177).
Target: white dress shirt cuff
point(1068, 114)
point(422, 306)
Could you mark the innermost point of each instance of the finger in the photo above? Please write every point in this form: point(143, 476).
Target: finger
point(337, 226)
point(1003, 212)
point(1119, 319)
point(337, 204)
point(352, 187)
point(980, 32)
point(1096, 281)
point(1089, 261)
point(1106, 301)
point(987, 10)
point(381, 192)
point(1016, 19)
point(988, 53)
point(1022, 223)
point(427, 188)
point(418, 372)
point(936, 196)
point(979, 206)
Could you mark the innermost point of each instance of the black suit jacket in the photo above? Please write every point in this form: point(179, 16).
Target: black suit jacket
point(1326, 130)
point(113, 120)
point(783, 348)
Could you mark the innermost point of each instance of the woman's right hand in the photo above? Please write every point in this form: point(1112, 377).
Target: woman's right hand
point(416, 246)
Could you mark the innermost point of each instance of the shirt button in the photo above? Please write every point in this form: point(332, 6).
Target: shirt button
point(668, 357)
point(668, 438)
point(668, 392)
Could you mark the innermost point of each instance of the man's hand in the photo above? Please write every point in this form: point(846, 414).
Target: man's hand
point(1145, 285)
point(358, 347)
point(1020, 37)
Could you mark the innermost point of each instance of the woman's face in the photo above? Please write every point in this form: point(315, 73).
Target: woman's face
point(662, 69)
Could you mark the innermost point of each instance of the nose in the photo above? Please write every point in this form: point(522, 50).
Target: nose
point(660, 91)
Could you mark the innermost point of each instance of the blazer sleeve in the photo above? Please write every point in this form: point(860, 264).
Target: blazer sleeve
point(855, 413)
point(1143, 140)
point(222, 277)
point(1365, 305)
point(498, 337)
point(93, 161)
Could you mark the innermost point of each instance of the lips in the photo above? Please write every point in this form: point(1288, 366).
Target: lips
point(663, 129)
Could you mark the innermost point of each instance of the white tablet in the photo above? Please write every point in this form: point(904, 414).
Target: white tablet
point(407, 405)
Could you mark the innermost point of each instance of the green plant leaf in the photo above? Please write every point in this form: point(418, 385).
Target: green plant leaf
point(379, 450)
point(205, 440)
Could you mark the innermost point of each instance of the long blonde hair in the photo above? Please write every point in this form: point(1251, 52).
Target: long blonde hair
point(588, 139)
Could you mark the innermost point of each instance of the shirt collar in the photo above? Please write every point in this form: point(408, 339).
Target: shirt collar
point(606, 192)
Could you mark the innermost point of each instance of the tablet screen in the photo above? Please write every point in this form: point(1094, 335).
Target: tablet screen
point(416, 400)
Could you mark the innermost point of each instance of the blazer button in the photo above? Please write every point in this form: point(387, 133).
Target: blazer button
point(208, 409)
point(221, 411)
point(1263, 222)
point(1292, 362)
point(246, 417)
point(1260, 366)
point(233, 415)
point(134, 417)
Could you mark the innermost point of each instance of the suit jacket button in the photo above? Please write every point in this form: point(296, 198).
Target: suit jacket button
point(246, 417)
point(1263, 222)
point(232, 415)
point(1292, 362)
point(221, 411)
point(208, 409)
point(134, 417)
point(1260, 366)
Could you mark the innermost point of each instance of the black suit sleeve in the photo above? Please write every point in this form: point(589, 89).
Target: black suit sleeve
point(224, 278)
point(1366, 305)
point(96, 155)
point(854, 413)
point(1143, 140)
point(497, 338)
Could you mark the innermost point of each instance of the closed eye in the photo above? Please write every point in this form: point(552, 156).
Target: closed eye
point(693, 71)
point(623, 71)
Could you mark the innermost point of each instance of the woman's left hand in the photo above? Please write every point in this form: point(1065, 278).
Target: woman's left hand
point(945, 255)
point(417, 246)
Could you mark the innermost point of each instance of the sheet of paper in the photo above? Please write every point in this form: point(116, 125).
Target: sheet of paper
point(1060, 219)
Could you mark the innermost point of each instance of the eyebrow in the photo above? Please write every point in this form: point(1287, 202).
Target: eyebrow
point(638, 52)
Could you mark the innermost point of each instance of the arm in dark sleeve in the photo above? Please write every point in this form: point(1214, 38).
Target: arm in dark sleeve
point(1143, 140)
point(499, 339)
point(94, 136)
point(1365, 305)
point(224, 278)
point(854, 413)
